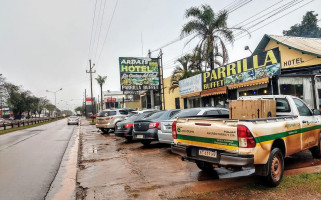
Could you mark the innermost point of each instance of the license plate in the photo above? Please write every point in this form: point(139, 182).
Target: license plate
point(139, 136)
point(207, 153)
point(168, 127)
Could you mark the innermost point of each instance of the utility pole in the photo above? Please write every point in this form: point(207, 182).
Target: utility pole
point(151, 92)
point(91, 86)
point(85, 105)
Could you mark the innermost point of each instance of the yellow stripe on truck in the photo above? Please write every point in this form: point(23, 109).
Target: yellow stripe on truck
point(218, 146)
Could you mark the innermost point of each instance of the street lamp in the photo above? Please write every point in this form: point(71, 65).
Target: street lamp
point(248, 48)
point(55, 93)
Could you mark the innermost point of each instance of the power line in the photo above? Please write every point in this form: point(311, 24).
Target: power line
point(92, 28)
point(96, 29)
point(112, 17)
point(101, 24)
point(170, 61)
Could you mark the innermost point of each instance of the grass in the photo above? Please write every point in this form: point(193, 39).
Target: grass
point(302, 186)
point(23, 127)
point(90, 121)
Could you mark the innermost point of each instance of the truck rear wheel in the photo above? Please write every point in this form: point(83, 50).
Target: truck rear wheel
point(205, 166)
point(146, 142)
point(275, 167)
point(316, 151)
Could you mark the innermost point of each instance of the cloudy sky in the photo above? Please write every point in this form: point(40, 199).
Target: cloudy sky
point(45, 44)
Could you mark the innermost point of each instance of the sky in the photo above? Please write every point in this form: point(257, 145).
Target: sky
point(46, 45)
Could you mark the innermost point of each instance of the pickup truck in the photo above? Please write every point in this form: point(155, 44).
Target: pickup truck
point(262, 143)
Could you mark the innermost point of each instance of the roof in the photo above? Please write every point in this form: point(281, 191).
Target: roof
point(305, 45)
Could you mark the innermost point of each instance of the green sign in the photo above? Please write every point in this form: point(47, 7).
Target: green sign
point(139, 73)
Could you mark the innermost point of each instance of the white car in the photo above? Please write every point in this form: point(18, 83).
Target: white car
point(165, 131)
point(73, 120)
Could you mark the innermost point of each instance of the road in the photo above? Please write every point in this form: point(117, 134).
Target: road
point(30, 159)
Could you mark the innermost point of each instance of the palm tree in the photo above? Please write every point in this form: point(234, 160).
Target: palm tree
point(101, 80)
point(212, 30)
point(184, 70)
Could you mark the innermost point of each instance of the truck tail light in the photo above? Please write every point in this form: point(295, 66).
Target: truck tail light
point(245, 137)
point(108, 118)
point(153, 125)
point(174, 131)
point(128, 125)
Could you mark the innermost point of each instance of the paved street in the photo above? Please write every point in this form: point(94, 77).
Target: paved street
point(30, 159)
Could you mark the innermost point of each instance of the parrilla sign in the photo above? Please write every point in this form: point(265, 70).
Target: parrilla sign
point(254, 67)
point(139, 73)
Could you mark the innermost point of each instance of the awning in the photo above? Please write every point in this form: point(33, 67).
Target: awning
point(249, 83)
point(214, 91)
point(191, 95)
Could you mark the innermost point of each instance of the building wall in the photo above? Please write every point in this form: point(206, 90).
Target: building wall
point(293, 58)
point(170, 96)
point(133, 105)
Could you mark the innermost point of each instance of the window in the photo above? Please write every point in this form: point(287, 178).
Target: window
point(224, 112)
point(212, 112)
point(282, 105)
point(177, 103)
point(106, 113)
point(155, 115)
point(123, 112)
point(173, 113)
point(186, 113)
point(302, 108)
point(292, 89)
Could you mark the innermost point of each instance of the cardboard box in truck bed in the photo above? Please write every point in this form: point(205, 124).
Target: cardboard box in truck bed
point(252, 109)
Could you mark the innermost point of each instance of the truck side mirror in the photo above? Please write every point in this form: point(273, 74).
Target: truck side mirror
point(316, 112)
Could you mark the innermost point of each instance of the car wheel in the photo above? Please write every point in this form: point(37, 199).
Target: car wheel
point(275, 167)
point(105, 130)
point(146, 142)
point(316, 151)
point(68, 124)
point(204, 166)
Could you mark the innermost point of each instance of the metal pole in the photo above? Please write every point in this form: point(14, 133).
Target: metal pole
point(91, 86)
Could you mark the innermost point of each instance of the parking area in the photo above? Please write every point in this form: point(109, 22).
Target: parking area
point(111, 168)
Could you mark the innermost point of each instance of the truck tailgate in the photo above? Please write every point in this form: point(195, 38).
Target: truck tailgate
point(209, 133)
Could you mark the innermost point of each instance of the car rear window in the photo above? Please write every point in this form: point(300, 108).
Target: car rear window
point(155, 115)
point(73, 116)
point(282, 105)
point(186, 113)
point(133, 117)
point(106, 113)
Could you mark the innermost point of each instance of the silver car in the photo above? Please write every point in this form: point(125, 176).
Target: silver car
point(165, 132)
point(73, 120)
point(107, 119)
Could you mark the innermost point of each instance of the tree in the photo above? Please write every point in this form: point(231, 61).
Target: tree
point(81, 109)
point(307, 28)
point(101, 80)
point(50, 107)
point(184, 70)
point(42, 104)
point(211, 29)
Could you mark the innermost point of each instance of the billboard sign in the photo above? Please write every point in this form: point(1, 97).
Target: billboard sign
point(265, 64)
point(139, 73)
point(111, 100)
point(190, 85)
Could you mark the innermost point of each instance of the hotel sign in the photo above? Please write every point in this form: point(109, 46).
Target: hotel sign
point(139, 73)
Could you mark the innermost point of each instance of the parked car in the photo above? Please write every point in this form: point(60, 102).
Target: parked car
point(146, 130)
point(165, 133)
point(2, 120)
point(11, 118)
point(125, 128)
point(262, 142)
point(107, 119)
point(73, 120)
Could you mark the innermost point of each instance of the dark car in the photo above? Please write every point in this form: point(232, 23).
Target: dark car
point(146, 130)
point(125, 128)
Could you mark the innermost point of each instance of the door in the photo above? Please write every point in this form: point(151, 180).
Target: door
point(310, 135)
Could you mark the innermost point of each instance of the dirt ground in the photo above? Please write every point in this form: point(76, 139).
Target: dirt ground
point(111, 168)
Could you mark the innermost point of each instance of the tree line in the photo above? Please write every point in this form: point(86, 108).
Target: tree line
point(23, 101)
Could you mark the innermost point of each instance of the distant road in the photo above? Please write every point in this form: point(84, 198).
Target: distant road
point(30, 159)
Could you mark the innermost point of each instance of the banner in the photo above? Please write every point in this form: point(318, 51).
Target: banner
point(139, 73)
point(190, 85)
point(265, 64)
